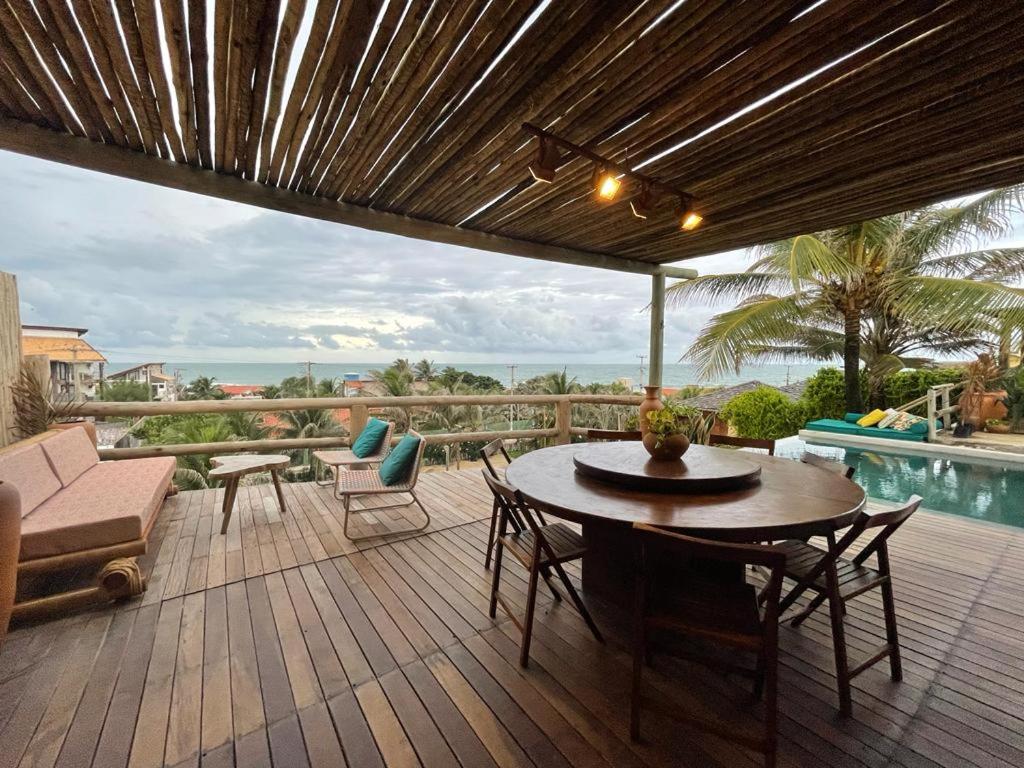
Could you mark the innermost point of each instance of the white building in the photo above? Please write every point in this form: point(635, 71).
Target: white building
point(75, 367)
point(161, 385)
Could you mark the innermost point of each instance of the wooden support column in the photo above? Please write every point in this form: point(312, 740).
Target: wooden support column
point(657, 329)
point(358, 416)
point(563, 421)
point(10, 354)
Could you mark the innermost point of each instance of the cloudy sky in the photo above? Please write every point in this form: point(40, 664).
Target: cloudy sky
point(156, 273)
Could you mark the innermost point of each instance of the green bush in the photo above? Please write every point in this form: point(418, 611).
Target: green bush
point(124, 391)
point(902, 387)
point(764, 413)
point(825, 395)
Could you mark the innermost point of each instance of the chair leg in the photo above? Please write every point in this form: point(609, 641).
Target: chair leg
point(759, 672)
point(531, 603)
point(578, 602)
point(490, 534)
point(835, 607)
point(639, 656)
point(891, 633)
point(771, 708)
point(499, 549)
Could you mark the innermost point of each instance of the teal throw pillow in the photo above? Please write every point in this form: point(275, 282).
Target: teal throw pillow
point(370, 438)
point(397, 467)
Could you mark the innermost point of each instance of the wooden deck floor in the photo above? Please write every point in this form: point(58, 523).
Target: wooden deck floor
point(282, 644)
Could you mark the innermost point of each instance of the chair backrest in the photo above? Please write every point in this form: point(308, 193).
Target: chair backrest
point(489, 451)
point(415, 471)
point(385, 444)
point(743, 442)
point(685, 547)
point(832, 466)
point(889, 522)
point(613, 434)
point(509, 501)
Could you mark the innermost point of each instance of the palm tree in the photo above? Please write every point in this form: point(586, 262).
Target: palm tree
point(454, 418)
point(403, 366)
point(329, 387)
point(312, 422)
point(204, 388)
point(882, 292)
point(425, 370)
point(192, 470)
point(246, 426)
point(559, 384)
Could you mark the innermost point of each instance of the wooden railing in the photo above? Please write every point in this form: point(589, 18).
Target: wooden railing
point(358, 407)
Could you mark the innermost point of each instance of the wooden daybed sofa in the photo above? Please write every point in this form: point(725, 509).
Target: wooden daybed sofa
point(77, 510)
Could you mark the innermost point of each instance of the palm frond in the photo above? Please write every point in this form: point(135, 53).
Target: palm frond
point(963, 227)
point(959, 305)
point(715, 288)
point(998, 264)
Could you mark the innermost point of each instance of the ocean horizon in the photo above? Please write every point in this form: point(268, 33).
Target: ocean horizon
point(674, 374)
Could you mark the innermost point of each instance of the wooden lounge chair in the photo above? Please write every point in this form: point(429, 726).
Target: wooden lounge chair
point(345, 458)
point(836, 579)
point(362, 482)
point(721, 614)
point(832, 466)
point(613, 434)
point(538, 547)
point(743, 442)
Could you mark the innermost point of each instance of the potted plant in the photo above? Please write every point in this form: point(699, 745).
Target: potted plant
point(997, 426)
point(671, 429)
point(1013, 398)
point(37, 410)
point(978, 403)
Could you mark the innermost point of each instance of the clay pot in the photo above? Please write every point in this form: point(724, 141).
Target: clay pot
point(670, 449)
point(998, 429)
point(88, 426)
point(10, 543)
point(978, 410)
point(651, 402)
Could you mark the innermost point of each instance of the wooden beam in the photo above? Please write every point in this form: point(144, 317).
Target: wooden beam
point(28, 139)
point(10, 354)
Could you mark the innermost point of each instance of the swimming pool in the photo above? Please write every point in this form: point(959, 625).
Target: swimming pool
point(983, 491)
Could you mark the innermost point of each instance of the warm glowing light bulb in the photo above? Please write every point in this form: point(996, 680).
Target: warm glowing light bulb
point(691, 221)
point(608, 187)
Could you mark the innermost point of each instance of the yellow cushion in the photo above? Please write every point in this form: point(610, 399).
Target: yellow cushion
point(871, 419)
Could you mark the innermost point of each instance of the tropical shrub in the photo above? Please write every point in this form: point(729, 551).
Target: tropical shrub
point(764, 413)
point(905, 386)
point(825, 395)
point(1013, 383)
point(125, 392)
point(675, 419)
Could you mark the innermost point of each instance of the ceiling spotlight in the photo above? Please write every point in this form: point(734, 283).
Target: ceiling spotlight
point(544, 167)
point(643, 205)
point(606, 186)
point(689, 219)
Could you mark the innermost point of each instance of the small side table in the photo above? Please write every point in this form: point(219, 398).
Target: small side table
point(231, 469)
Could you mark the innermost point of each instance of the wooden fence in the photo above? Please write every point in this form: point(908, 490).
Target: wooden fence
point(359, 409)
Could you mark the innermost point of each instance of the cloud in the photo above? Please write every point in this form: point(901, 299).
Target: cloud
point(152, 272)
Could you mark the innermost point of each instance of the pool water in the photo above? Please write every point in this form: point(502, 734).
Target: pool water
point(990, 492)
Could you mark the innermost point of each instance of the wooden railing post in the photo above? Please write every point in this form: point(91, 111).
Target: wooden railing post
point(563, 421)
point(10, 354)
point(359, 414)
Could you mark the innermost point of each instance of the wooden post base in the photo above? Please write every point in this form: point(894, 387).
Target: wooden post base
point(118, 579)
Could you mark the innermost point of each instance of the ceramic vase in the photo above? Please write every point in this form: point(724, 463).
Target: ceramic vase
point(651, 402)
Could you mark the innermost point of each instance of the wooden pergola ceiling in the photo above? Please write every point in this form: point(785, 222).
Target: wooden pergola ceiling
point(780, 116)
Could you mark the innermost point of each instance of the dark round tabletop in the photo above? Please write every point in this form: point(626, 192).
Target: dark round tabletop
point(792, 499)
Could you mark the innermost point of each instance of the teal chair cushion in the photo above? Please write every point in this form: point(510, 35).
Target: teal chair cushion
point(368, 442)
point(397, 467)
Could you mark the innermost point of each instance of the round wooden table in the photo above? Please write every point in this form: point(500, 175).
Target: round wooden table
point(792, 500)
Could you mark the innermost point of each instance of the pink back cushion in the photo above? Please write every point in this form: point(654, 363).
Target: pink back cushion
point(28, 470)
point(71, 453)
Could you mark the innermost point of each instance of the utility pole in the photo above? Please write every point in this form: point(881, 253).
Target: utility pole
point(642, 359)
point(511, 391)
point(177, 384)
point(309, 378)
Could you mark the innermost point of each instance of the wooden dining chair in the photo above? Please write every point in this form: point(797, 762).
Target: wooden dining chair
point(743, 442)
point(834, 578)
point(538, 547)
point(613, 434)
point(487, 454)
point(832, 466)
point(734, 615)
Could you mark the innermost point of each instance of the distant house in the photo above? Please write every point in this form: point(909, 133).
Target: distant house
point(713, 402)
point(242, 391)
point(161, 385)
point(75, 367)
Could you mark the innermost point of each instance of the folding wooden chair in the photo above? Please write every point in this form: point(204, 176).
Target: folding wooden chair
point(361, 482)
point(733, 615)
point(487, 454)
point(836, 579)
point(613, 434)
point(832, 466)
point(538, 547)
point(743, 442)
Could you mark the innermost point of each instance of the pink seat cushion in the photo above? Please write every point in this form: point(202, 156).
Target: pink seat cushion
point(71, 453)
point(112, 503)
point(27, 469)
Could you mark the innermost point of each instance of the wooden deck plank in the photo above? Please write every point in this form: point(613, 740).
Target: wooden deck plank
point(283, 644)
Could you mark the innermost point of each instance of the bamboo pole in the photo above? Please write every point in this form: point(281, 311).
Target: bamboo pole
point(10, 354)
